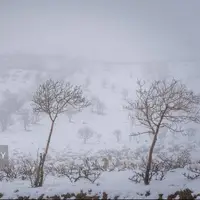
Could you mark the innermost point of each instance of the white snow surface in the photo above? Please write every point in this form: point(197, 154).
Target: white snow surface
point(65, 138)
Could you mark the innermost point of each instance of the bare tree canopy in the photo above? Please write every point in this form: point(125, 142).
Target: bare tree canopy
point(85, 133)
point(54, 97)
point(160, 105)
point(164, 104)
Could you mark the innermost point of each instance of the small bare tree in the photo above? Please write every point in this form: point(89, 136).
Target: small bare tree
point(98, 106)
point(70, 113)
point(160, 105)
point(53, 98)
point(85, 133)
point(5, 119)
point(34, 118)
point(117, 134)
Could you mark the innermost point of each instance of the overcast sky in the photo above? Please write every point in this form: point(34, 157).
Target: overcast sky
point(113, 30)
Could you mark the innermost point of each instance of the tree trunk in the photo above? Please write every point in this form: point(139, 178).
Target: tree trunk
point(149, 162)
point(40, 172)
point(49, 138)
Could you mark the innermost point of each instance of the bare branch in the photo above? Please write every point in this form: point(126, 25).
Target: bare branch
point(164, 104)
point(54, 98)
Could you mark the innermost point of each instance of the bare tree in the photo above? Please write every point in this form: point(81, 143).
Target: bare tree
point(85, 133)
point(98, 106)
point(70, 113)
point(160, 105)
point(117, 134)
point(4, 119)
point(25, 117)
point(10, 104)
point(53, 98)
point(35, 118)
point(11, 101)
point(190, 132)
point(125, 93)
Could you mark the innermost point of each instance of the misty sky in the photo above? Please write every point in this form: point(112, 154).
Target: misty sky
point(113, 30)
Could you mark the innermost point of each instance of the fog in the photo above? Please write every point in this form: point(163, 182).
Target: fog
point(119, 31)
point(97, 96)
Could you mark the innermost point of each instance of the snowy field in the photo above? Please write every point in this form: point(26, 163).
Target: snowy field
point(109, 87)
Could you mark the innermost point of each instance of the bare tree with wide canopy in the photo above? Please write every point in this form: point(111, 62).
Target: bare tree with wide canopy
point(160, 105)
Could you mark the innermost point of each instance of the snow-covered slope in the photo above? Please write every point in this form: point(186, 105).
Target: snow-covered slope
point(108, 84)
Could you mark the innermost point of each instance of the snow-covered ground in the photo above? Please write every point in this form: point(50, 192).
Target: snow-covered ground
point(108, 85)
point(113, 183)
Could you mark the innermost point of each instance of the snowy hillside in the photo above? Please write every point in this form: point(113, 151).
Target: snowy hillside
point(107, 87)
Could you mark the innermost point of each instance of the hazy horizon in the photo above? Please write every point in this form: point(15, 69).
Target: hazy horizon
point(120, 31)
